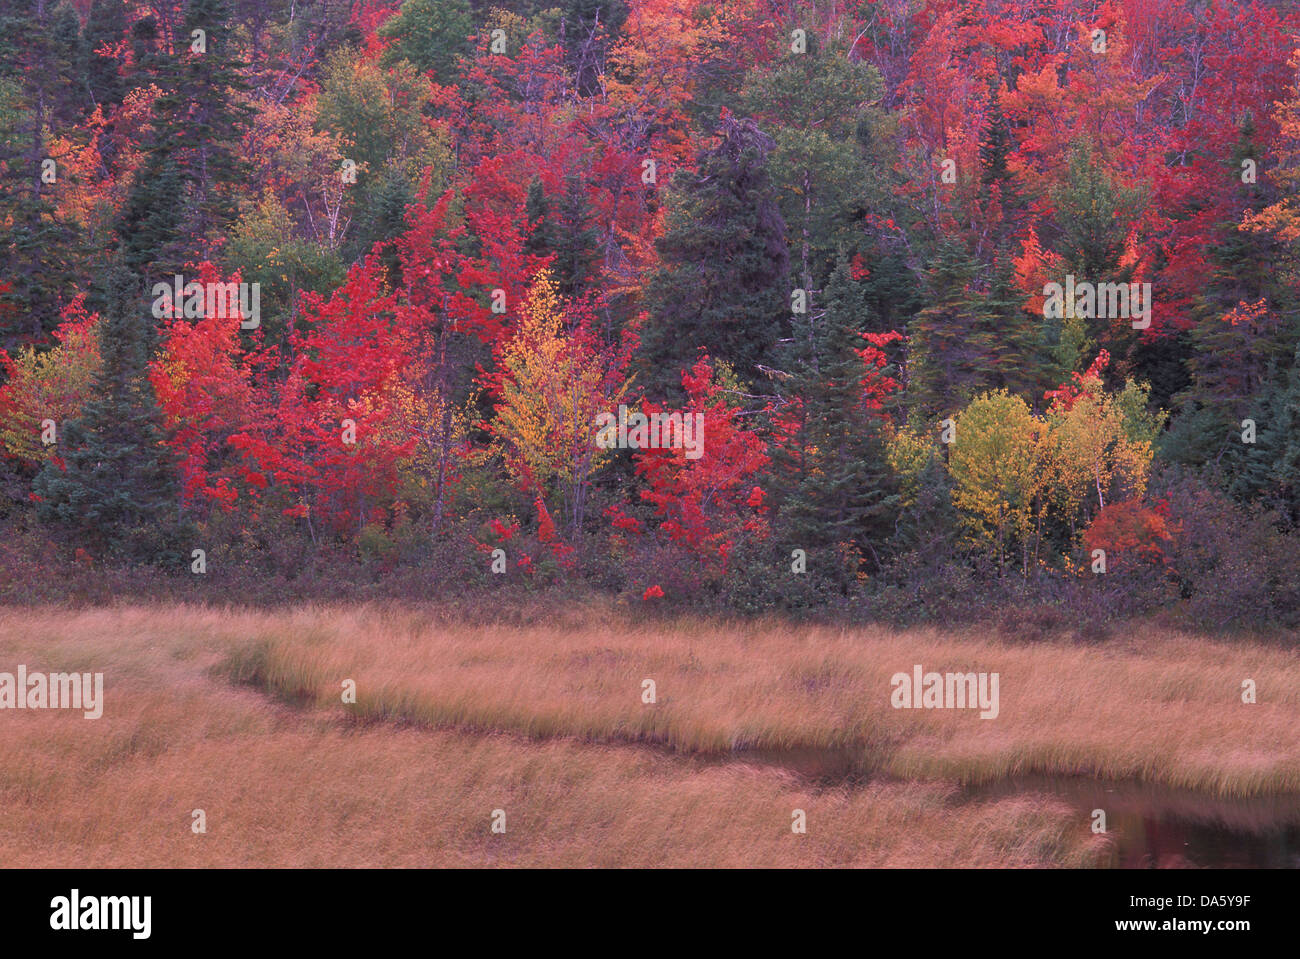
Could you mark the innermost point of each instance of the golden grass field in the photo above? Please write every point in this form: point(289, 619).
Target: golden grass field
point(240, 713)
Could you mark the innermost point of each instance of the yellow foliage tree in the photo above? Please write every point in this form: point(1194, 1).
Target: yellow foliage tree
point(442, 445)
point(53, 385)
point(994, 464)
point(909, 453)
point(1093, 454)
point(1012, 471)
point(557, 382)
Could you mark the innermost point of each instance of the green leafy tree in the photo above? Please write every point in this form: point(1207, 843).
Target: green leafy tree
point(378, 117)
point(430, 34)
point(266, 250)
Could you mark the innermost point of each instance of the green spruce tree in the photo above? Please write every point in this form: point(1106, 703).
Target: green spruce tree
point(567, 234)
point(105, 28)
point(836, 489)
point(112, 485)
point(183, 197)
point(724, 284)
point(40, 95)
point(954, 341)
point(1240, 360)
point(1014, 337)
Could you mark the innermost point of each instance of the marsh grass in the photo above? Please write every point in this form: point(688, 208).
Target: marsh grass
point(286, 786)
point(1155, 706)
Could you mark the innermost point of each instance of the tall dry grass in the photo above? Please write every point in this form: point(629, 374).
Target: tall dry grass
point(289, 787)
point(1157, 707)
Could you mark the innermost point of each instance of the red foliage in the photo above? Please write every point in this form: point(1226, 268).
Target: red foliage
point(1065, 396)
point(205, 388)
point(876, 387)
point(547, 535)
point(710, 503)
point(1130, 529)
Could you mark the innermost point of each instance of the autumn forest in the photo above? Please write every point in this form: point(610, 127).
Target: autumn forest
point(903, 309)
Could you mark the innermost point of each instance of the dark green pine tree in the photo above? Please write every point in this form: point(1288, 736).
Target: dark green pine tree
point(996, 180)
point(116, 489)
point(928, 528)
point(1234, 367)
point(69, 64)
point(1243, 270)
point(1016, 339)
point(995, 146)
point(40, 94)
point(587, 29)
point(892, 291)
point(147, 54)
point(1280, 445)
point(183, 198)
point(724, 283)
point(576, 251)
point(567, 234)
point(1266, 471)
point(105, 27)
point(381, 219)
point(1093, 212)
point(953, 341)
point(835, 486)
point(1092, 216)
point(537, 211)
point(43, 38)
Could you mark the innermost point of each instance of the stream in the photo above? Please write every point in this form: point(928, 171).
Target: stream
point(1150, 826)
point(1158, 827)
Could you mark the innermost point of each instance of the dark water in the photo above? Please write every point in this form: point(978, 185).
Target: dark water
point(1149, 826)
point(1155, 827)
point(1171, 843)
